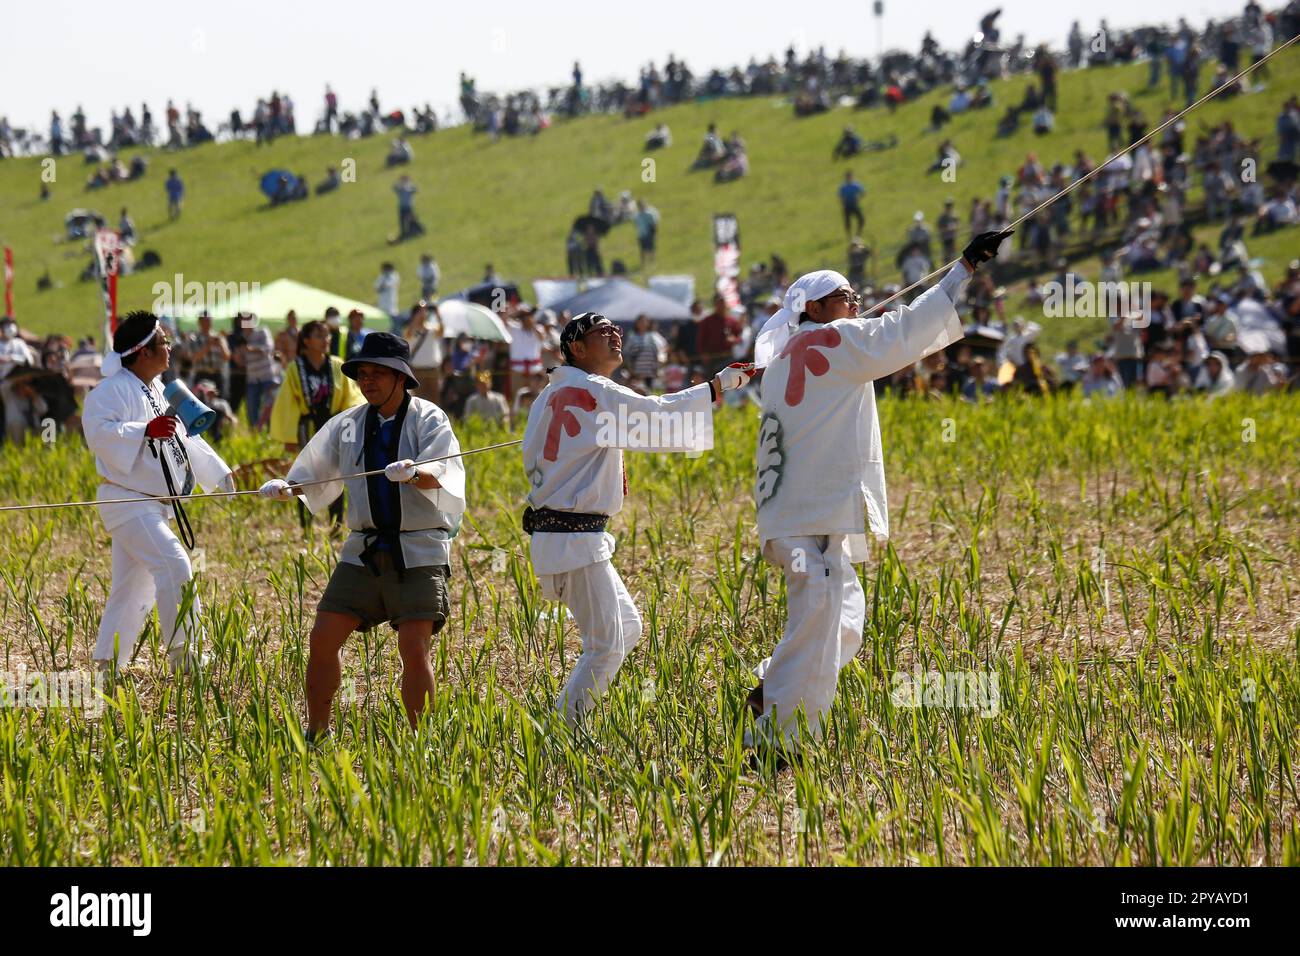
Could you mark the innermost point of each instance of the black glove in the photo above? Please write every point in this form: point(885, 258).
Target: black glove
point(984, 247)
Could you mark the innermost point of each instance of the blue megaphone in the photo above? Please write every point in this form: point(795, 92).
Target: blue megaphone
point(194, 415)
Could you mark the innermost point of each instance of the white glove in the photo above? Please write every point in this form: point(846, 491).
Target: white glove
point(400, 471)
point(736, 375)
point(277, 489)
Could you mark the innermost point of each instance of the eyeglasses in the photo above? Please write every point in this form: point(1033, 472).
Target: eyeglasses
point(848, 295)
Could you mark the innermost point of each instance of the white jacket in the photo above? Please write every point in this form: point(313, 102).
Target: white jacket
point(431, 517)
point(573, 453)
point(114, 418)
point(819, 452)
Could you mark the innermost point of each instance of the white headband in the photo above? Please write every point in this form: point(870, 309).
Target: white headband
point(112, 363)
point(778, 329)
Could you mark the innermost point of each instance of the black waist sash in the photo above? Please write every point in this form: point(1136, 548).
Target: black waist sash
point(544, 519)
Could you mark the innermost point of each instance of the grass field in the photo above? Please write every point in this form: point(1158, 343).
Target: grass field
point(1126, 571)
point(510, 203)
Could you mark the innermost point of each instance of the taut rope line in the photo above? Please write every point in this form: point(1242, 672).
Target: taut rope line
point(235, 494)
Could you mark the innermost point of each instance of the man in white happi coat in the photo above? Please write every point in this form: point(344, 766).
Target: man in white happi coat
point(396, 561)
point(577, 430)
point(140, 453)
point(819, 461)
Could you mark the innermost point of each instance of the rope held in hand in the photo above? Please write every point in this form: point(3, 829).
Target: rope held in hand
point(235, 494)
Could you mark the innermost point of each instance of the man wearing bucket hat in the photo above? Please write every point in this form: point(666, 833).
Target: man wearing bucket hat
point(396, 561)
point(578, 428)
point(819, 462)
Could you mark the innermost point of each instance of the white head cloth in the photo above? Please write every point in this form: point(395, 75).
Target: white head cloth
point(777, 330)
point(112, 363)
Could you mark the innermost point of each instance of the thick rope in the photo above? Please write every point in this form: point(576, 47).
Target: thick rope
point(1098, 168)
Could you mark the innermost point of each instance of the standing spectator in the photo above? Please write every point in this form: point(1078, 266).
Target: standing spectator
point(126, 227)
point(386, 289)
point(314, 391)
point(1045, 67)
point(717, 335)
point(644, 353)
point(487, 404)
point(209, 356)
point(949, 223)
point(56, 134)
point(331, 109)
point(1072, 363)
point(646, 222)
point(261, 369)
point(425, 337)
point(238, 342)
point(286, 340)
point(850, 193)
point(858, 256)
point(1191, 71)
point(175, 194)
point(1126, 348)
point(14, 349)
point(429, 275)
point(357, 331)
point(526, 341)
point(406, 190)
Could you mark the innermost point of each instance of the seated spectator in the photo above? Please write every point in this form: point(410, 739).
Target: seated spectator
point(1101, 379)
point(330, 183)
point(487, 404)
point(1072, 363)
point(1216, 376)
point(400, 153)
point(205, 390)
point(1261, 373)
point(850, 144)
point(978, 387)
point(658, 138)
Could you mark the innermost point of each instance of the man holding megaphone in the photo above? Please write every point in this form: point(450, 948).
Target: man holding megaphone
point(147, 446)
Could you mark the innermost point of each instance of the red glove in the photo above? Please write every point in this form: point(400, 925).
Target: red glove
point(164, 426)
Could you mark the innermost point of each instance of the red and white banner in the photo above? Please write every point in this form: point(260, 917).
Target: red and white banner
point(9, 282)
point(108, 248)
point(726, 257)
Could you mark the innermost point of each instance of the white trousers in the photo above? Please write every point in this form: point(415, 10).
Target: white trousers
point(827, 610)
point(608, 623)
point(150, 567)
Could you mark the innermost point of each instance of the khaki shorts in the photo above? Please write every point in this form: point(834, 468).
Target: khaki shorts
point(421, 594)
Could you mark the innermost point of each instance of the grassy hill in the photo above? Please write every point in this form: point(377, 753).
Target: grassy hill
point(510, 202)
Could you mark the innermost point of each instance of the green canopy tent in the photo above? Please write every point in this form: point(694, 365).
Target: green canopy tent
point(271, 301)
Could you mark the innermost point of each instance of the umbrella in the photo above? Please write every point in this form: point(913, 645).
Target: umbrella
point(80, 223)
point(1283, 169)
point(469, 318)
point(270, 184)
point(270, 301)
point(622, 301)
point(490, 294)
point(1257, 330)
point(595, 222)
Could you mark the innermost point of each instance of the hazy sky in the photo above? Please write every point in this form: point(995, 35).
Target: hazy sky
point(61, 53)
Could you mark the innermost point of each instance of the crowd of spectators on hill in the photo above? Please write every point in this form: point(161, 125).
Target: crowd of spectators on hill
point(814, 82)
